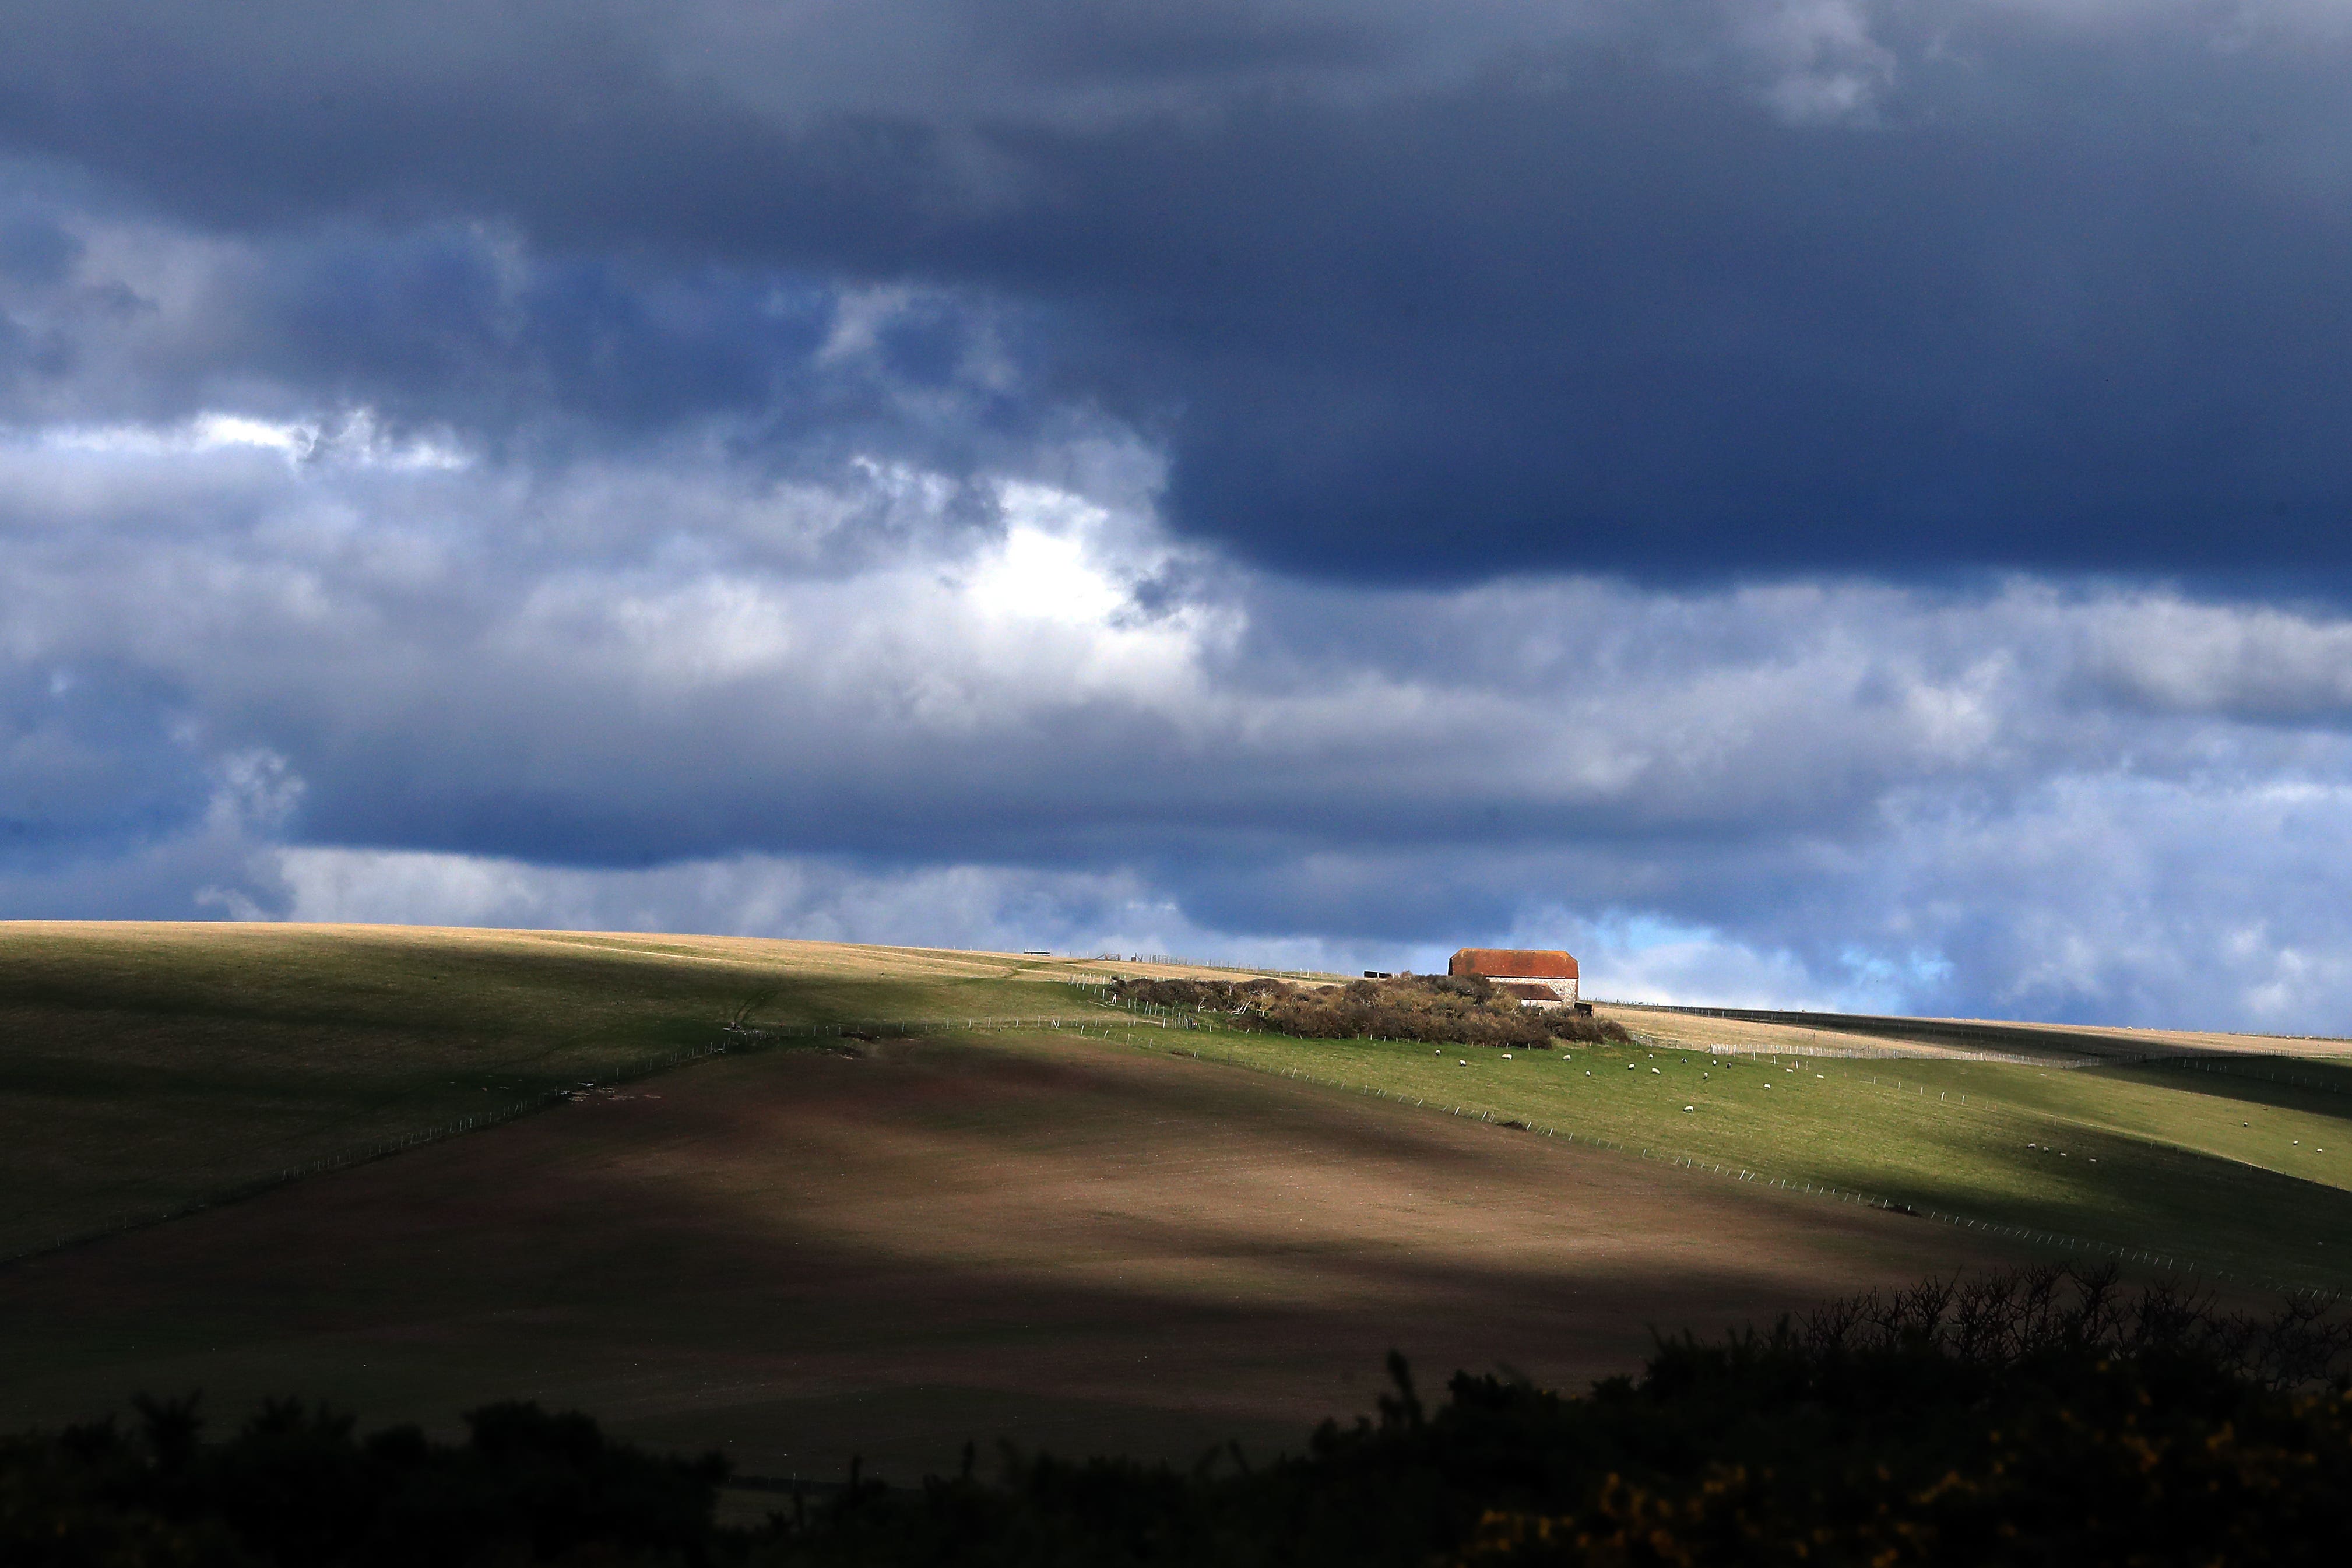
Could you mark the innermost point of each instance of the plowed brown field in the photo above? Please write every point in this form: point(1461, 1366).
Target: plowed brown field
point(795, 1257)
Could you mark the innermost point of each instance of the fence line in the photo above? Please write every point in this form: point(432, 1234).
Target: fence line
point(738, 1036)
point(1873, 1054)
point(1169, 961)
point(2231, 1069)
point(1923, 1052)
point(912, 1028)
point(374, 1149)
point(347, 1158)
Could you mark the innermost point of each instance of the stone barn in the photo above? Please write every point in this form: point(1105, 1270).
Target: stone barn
point(1538, 978)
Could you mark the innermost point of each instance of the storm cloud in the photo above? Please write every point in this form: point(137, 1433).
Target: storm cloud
point(1401, 290)
point(1817, 501)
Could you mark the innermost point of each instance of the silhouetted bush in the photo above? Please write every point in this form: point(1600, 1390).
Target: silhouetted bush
point(295, 1488)
point(1442, 1009)
point(2035, 1417)
point(2039, 1417)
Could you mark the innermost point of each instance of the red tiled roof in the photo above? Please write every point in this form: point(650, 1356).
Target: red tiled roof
point(1517, 963)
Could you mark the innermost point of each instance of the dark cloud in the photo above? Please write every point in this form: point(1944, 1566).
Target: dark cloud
point(1712, 292)
point(89, 760)
point(36, 252)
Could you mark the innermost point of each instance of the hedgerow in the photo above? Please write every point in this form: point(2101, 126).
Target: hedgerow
point(2028, 1418)
point(1442, 1009)
point(2039, 1417)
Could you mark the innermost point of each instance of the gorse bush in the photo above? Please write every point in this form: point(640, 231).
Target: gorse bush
point(295, 1487)
point(2039, 1417)
point(2035, 1417)
point(1442, 1009)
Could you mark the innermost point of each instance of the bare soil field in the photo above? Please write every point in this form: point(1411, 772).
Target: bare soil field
point(2311, 1046)
point(796, 1257)
point(1695, 1032)
point(144, 1066)
point(1698, 1030)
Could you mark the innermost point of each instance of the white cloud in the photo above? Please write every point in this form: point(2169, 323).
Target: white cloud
point(2115, 803)
point(1823, 61)
point(204, 432)
point(2208, 899)
point(890, 706)
point(1642, 958)
point(354, 438)
point(2198, 657)
point(1828, 795)
point(997, 908)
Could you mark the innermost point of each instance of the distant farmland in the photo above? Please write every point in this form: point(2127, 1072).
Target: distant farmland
point(827, 1245)
point(149, 1067)
point(2229, 1170)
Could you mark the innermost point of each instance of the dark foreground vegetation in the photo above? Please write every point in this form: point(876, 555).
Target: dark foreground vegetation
point(1444, 1009)
point(2030, 1418)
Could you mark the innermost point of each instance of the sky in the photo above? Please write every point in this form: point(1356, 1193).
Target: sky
point(1834, 504)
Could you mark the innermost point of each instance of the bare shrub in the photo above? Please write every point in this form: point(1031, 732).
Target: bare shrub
point(1461, 1010)
point(2006, 1320)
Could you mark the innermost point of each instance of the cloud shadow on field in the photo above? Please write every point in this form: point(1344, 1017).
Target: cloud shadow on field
point(776, 1230)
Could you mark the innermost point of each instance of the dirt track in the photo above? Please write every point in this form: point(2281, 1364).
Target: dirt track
point(797, 1256)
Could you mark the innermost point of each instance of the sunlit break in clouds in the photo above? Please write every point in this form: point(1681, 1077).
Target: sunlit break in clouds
point(1830, 503)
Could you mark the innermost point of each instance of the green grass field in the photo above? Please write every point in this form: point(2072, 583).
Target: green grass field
point(2221, 1168)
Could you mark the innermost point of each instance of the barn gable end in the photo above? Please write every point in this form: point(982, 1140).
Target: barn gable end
point(1527, 968)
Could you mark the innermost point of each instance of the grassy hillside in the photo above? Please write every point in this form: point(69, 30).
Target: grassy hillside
point(146, 1066)
point(2229, 1168)
point(1081, 1240)
point(143, 1068)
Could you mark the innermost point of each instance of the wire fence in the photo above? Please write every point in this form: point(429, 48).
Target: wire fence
point(1871, 1053)
point(869, 1029)
point(735, 1037)
point(2231, 1069)
point(2051, 1044)
point(1169, 960)
point(373, 1149)
point(2184, 1061)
